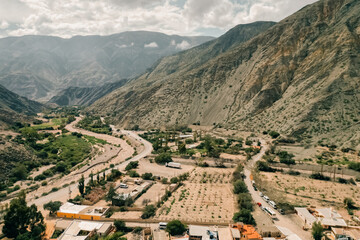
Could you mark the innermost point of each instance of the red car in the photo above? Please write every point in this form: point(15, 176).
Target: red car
point(259, 204)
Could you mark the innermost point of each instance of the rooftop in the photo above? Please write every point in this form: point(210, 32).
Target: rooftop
point(201, 231)
point(82, 209)
point(79, 230)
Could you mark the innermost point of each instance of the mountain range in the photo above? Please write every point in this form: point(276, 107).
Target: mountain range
point(38, 67)
point(299, 76)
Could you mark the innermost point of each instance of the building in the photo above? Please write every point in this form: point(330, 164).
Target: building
point(241, 231)
point(83, 230)
point(73, 211)
point(345, 233)
point(306, 216)
point(202, 233)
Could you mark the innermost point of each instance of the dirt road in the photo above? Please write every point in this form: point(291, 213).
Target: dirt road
point(282, 221)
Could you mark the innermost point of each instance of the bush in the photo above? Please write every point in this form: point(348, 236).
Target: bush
point(240, 187)
point(244, 216)
point(148, 212)
point(174, 180)
point(133, 174)
point(120, 225)
point(355, 166)
point(132, 165)
point(147, 176)
point(264, 166)
point(163, 158)
point(319, 176)
point(274, 134)
point(175, 227)
point(40, 177)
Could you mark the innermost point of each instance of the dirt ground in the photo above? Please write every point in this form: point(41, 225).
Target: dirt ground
point(152, 195)
point(302, 191)
point(160, 170)
point(205, 196)
point(127, 215)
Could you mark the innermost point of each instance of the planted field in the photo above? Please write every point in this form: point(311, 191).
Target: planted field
point(52, 124)
point(205, 197)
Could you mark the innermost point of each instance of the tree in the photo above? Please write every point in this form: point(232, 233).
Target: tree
point(61, 167)
point(132, 165)
point(163, 158)
point(349, 203)
point(120, 225)
point(81, 185)
point(317, 231)
point(240, 187)
point(182, 148)
point(175, 227)
point(147, 176)
point(23, 222)
point(274, 134)
point(148, 212)
point(20, 172)
point(52, 206)
point(110, 195)
point(244, 216)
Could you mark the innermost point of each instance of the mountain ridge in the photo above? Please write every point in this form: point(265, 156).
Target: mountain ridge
point(276, 80)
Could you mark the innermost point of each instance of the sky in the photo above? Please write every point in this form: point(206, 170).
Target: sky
point(67, 18)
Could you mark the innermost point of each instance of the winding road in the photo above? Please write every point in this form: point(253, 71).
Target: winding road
point(283, 221)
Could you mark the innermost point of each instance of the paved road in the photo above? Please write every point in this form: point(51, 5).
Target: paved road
point(61, 193)
point(282, 220)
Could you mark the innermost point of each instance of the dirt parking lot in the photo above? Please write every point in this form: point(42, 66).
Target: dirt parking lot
point(205, 196)
point(152, 195)
point(145, 166)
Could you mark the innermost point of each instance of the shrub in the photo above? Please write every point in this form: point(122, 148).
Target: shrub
point(148, 212)
point(244, 216)
point(147, 176)
point(355, 166)
point(174, 180)
point(175, 227)
point(240, 187)
point(319, 176)
point(274, 134)
point(163, 158)
point(132, 165)
point(264, 166)
point(133, 174)
point(120, 225)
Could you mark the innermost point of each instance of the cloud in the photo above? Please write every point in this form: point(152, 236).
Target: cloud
point(183, 45)
point(66, 18)
point(151, 45)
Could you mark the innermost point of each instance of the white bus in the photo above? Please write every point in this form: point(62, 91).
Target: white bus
point(162, 225)
point(273, 204)
point(173, 165)
point(269, 211)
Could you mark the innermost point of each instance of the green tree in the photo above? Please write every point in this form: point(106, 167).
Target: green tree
point(317, 231)
point(61, 167)
point(240, 187)
point(52, 206)
point(23, 222)
point(110, 195)
point(120, 225)
point(244, 216)
point(175, 227)
point(81, 185)
point(182, 148)
point(163, 158)
point(19, 172)
point(349, 203)
point(148, 212)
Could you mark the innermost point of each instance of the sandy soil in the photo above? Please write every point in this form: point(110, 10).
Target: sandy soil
point(152, 195)
point(303, 191)
point(160, 170)
point(127, 215)
point(206, 195)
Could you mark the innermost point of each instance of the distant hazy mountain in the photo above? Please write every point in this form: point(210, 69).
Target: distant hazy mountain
point(300, 77)
point(40, 66)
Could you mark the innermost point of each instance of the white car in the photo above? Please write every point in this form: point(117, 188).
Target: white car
point(261, 194)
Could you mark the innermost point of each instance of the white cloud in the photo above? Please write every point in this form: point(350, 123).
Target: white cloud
point(183, 45)
point(151, 45)
point(67, 18)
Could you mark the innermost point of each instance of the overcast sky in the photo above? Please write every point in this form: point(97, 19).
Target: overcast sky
point(66, 18)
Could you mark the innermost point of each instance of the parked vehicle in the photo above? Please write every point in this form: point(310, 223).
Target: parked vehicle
point(261, 194)
point(266, 198)
point(255, 188)
point(269, 211)
point(173, 165)
point(259, 204)
point(273, 204)
point(123, 185)
point(162, 225)
point(138, 181)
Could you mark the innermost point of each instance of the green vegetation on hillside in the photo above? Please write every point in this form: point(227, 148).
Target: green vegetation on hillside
point(94, 124)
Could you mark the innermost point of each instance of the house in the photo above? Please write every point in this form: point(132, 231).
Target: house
point(84, 230)
point(73, 211)
point(329, 218)
point(345, 233)
point(306, 216)
point(202, 233)
point(241, 231)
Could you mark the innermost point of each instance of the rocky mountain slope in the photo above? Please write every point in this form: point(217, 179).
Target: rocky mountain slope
point(39, 66)
point(299, 77)
point(13, 106)
point(85, 96)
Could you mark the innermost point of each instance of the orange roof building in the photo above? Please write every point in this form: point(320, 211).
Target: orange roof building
point(241, 231)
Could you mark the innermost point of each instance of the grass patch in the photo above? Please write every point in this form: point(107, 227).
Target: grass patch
point(94, 140)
